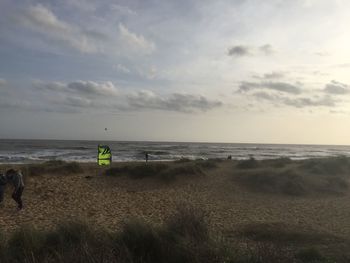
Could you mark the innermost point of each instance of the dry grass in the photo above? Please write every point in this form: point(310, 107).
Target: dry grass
point(161, 171)
point(53, 167)
point(282, 176)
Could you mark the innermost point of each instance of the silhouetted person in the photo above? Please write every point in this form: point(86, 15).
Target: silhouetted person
point(229, 157)
point(16, 179)
point(146, 157)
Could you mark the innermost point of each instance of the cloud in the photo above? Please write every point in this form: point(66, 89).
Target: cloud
point(277, 86)
point(93, 88)
point(326, 101)
point(136, 42)
point(121, 68)
point(298, 102)
point(175, 102)
point(266, 49)
point(239, 51)
point(244, 50)
point(85, 88)
point(105, 96)
point(272, 75)
point(336, 88)
point(41, 20)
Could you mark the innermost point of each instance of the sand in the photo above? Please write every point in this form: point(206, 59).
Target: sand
point(108, 201)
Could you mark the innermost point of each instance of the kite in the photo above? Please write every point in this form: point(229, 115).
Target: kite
point(104, 156)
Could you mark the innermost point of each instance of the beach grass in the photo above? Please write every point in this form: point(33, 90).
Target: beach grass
point(185, 237)
point(297, 178)
point(247, 211)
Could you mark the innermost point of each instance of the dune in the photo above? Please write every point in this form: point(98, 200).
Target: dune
point(305, 203)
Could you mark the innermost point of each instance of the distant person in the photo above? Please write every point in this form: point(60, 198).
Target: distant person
point(229, 157)
point(16, 179)
point(146, 157)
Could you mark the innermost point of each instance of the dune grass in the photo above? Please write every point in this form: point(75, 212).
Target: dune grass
point(297, 178)
point(162, 171)
point(184, 237)
point(53, 167)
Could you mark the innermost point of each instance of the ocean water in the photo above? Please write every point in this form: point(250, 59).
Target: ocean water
point(29, 151)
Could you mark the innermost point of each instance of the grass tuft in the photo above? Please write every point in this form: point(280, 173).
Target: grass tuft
point(53, 167)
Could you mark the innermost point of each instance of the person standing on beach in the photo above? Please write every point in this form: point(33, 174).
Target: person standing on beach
point(16, 179)
point(146, 157)
point(3, 182)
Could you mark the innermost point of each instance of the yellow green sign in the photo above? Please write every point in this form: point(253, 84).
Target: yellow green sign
point(104, 155)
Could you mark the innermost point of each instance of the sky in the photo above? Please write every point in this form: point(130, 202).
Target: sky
point(274, 71)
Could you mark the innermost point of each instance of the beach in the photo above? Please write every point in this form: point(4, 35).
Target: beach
point(106, 197)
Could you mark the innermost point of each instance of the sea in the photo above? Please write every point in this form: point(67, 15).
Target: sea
point(33, 151)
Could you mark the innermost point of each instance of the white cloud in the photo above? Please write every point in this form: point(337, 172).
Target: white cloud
point(41, 20)
point(137, 43)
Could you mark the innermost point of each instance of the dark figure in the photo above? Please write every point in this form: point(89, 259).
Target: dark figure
point(146, 157)
point(16, 179)
point(229, 157)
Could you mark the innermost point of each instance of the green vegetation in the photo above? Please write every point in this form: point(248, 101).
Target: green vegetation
point(162, 171)
point(298, 178)
point(184, 237)
point(281, 233)
point(53, 167)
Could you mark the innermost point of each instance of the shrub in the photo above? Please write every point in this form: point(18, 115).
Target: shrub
point(137, 171)
point(330, 165)
point(310, 255)
point(140, 242)
point(280, 233)
point(190, 223)
point(26, 242)
point(53, 167)
point(208, 164)
point(248, 164)
point(156, 170)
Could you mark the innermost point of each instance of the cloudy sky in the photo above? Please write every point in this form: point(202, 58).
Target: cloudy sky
point(274, 71)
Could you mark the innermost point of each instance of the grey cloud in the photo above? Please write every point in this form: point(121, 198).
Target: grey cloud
point(243, 50)
point(174, 102)
point(277, 86)
point(274, 75)
point(239, 51)
point(306, 102)
point(266, 49)
point(264, 95)
point(89, 88)
point(336, 88)
point(298, 102)
point(87, 94)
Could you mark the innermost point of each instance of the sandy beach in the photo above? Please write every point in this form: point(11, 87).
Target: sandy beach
point(107, 201)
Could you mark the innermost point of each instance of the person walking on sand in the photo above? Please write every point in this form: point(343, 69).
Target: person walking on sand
point(16, 179)
point(3, 182)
